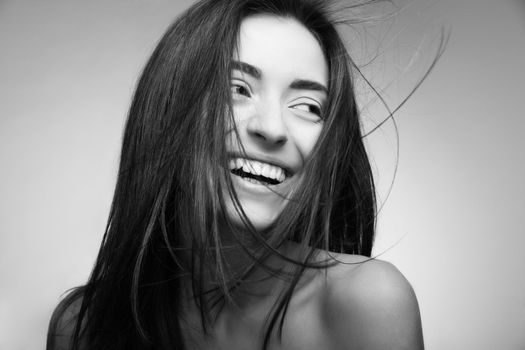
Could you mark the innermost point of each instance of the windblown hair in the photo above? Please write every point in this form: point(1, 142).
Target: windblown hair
point(163, 228)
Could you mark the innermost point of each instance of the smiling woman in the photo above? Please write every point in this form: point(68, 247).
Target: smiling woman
point(244, 211)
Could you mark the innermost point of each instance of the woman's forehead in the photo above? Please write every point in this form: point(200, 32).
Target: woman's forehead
point(281, 47)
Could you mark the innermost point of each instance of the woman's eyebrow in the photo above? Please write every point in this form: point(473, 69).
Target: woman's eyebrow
point(301, 84)
point(247, 68)
point(298, 84)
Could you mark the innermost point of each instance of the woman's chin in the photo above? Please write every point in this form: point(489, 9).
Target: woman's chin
point(259, 218)
point(258, 223)
point(261, 209)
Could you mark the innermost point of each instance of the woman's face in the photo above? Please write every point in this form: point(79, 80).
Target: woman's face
point(278, 87)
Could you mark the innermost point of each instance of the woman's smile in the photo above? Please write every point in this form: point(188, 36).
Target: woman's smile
point(260, 176)
point(255, 171)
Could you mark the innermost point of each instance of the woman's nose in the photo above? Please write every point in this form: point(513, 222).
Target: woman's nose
point(267, 127)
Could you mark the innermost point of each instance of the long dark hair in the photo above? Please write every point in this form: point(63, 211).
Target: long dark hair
point(163, 228)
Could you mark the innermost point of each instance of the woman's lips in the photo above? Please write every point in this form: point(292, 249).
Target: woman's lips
point(250, 185)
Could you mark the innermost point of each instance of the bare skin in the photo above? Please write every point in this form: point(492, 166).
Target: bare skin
point(358, 304)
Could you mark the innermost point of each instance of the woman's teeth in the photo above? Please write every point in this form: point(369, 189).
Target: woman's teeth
point(258, 169)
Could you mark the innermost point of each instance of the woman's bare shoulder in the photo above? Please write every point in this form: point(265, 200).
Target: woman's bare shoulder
point(63, 322)
point(368, 304)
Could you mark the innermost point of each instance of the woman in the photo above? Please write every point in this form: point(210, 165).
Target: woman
point(244, 209)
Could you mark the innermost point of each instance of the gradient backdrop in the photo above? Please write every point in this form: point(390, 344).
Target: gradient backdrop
point(453, 220)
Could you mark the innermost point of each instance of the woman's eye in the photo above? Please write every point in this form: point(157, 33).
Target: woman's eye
point(238, 89)
point(310, 108)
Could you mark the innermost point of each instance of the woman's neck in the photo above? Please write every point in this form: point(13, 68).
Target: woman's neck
point(247, 280)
